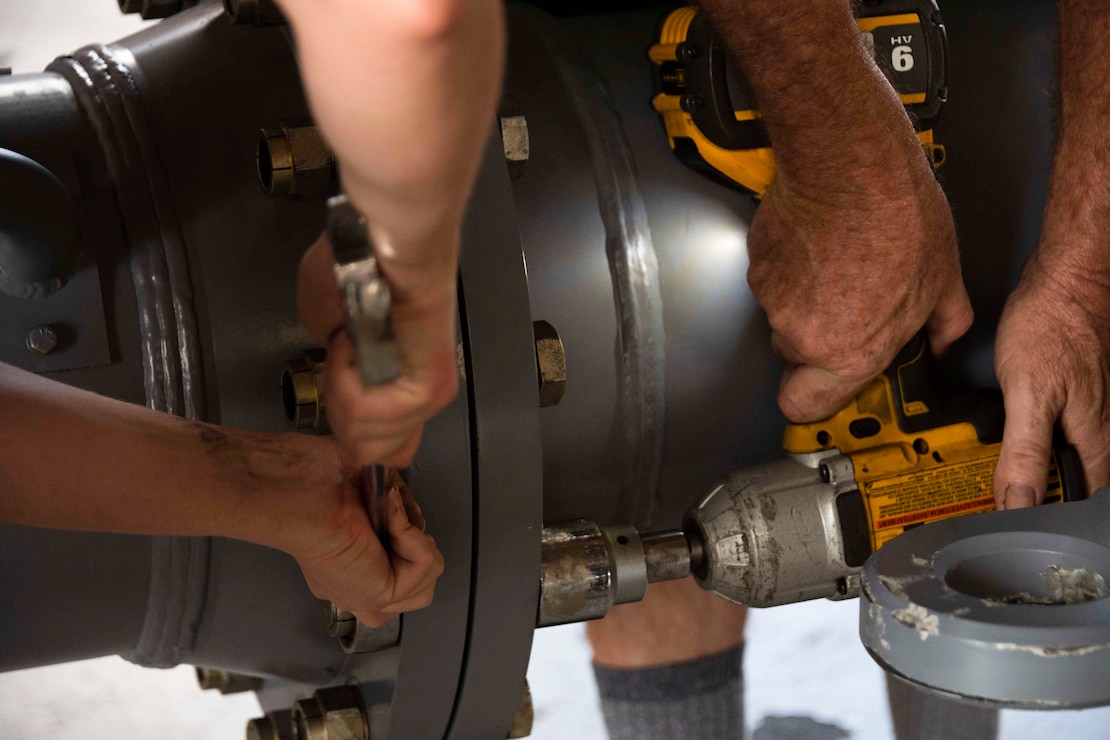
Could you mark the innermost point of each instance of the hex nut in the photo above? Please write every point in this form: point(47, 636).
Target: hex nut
point(331, 714)
point(274, 726)
point(514, 138)
point(344, 716)
point(42, 340)
point(226, 682)
point(525, 715)
point(293, 159)
point(551, 363)
point(302, 393)
point(308, 720)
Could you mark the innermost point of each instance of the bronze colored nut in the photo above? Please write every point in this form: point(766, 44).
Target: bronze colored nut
point(551, 362)
point(331, 714)
point(340, 623)
point(514, 138)
point(525, 714)
point(274, 726)
point(226, 682)
point(302, 393)
point(308, 720)
point(344, 716)
point(295, 160)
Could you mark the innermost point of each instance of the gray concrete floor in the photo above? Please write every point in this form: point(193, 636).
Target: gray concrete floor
point(803, 661)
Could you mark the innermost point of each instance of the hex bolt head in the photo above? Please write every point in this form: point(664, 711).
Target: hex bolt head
point(42, 340)
point(551, 363)
point(293, 159)
point(226, 681)
point(525, 715)
point(514, 138)
point(274, 726)
point(331, 714)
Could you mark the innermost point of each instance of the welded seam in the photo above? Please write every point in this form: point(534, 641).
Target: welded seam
point(172, 370)
point(634, 270)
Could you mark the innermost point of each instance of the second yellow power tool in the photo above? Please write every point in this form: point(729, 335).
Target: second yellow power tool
point(711, 115)
point(901, 455)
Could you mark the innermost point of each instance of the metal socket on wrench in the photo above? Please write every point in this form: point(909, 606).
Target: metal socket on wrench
point(586, 569)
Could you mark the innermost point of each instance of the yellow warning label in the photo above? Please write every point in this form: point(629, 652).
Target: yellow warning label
point(900, 501)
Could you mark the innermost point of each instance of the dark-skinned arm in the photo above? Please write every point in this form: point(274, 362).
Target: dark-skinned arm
point(70, 459)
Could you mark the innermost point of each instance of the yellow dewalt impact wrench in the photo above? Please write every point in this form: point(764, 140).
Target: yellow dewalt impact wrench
point(902, 454)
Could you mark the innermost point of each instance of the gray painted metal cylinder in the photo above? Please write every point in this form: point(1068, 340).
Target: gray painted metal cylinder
point(593, 226)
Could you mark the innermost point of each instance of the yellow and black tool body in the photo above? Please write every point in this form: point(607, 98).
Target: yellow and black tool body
point(903, 453)
point(710, 113)
point(918, 454)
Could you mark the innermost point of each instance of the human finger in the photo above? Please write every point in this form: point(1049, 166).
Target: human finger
point(1021, 475)
point(809, 394)
point(951, 317)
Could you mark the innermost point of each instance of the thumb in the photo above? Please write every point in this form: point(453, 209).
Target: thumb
point(951, 318)
point(1021, 475)
point(809, 393)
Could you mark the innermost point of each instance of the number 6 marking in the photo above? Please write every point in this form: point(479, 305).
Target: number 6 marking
point(901, 58)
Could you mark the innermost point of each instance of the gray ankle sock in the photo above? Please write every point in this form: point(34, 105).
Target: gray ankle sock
point(702, 699)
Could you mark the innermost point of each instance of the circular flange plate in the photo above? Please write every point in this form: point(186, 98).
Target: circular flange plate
point(1008, 608)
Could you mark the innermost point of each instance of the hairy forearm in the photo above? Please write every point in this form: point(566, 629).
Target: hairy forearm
point(1075, 243)
point(828, 109)
point(406, 92)
point(70, 459)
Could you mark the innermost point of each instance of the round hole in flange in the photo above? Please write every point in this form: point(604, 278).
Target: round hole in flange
point(1027, 576)
point(622, 540)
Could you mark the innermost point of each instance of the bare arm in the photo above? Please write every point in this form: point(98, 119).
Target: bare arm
point(1052, 354)
point(853, 248)
point(405, 92)
point(74, 460)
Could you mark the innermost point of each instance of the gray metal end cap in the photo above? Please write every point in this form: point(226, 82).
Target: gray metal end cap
point(1007, 608)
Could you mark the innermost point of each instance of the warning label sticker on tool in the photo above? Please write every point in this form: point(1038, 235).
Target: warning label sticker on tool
point(903, 501)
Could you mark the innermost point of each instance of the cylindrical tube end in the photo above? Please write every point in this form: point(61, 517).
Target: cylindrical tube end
point(667, 554)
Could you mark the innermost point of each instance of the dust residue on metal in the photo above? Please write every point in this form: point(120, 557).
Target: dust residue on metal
point(896, 585)
point(876, 627)
point(1075, 585)
point(1052, 652)
point(918, 617)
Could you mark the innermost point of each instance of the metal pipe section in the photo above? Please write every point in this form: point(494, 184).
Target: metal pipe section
point(585, 569)
point(669, 555)
point(37, 228)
